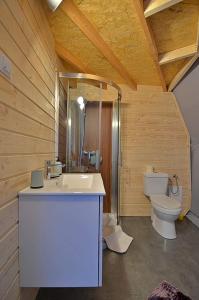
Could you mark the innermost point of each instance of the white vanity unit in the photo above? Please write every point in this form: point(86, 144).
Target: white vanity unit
point(60, 232)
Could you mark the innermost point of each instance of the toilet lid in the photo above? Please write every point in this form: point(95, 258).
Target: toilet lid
point(165, 201)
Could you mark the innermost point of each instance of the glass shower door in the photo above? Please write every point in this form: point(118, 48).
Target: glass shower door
point(93, 134)
point(83, 136)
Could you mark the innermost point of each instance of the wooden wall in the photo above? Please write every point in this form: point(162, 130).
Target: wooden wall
point(152, 130)
point(27, 133)
point(153, 133)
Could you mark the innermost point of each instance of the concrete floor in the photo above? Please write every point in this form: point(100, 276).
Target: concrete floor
point(149, 260)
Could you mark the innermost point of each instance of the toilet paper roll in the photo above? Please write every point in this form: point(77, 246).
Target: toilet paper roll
point(149, 169)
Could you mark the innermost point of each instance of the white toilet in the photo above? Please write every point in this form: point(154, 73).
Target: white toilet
point(165, 210)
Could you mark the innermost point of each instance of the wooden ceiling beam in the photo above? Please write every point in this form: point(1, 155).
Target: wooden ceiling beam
point(188, 65)
point(152, 7)
point(66, 55)
point(182, 72)
point(177, 54)
point(70, 58)
point(150, 40)
point(74, 13)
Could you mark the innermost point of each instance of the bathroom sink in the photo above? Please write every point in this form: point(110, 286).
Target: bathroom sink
point(81, 181)
point(70, 184)
point(64, 220)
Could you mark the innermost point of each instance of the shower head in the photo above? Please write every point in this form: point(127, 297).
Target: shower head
point(53, 4)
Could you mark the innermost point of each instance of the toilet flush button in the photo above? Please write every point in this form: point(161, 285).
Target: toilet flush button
point(5, 66)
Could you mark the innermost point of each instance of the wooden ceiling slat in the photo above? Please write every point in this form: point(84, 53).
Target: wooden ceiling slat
point(177, 54)
point(151, 43)
point(186, 68)
point(154, 6)
point(182, 72)
point(73, 12)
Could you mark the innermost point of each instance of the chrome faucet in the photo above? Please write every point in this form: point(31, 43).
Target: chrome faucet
point(47, 167)
point(50, 172)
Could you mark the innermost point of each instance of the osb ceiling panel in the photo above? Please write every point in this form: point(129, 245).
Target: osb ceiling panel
point(68, 68)
point(119, 26)
point(176, 27)
point(170, 70)
point(70, 36)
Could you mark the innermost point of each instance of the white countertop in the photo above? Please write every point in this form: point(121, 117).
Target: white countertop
point(70, 184)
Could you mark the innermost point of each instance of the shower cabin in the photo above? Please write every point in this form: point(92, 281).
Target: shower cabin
point(89, 130)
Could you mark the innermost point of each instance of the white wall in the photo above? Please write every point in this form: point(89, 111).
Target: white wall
point(187, 94)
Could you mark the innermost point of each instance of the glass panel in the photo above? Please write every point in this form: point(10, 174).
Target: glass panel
point(84, 127)
point(93, 135)
point(115, 159)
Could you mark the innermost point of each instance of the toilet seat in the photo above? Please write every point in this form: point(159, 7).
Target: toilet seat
point(165, 201)
point(165, 204)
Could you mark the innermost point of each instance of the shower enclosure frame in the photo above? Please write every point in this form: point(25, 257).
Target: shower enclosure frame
point(116, 144)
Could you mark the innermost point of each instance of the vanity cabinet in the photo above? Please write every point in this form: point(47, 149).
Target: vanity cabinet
point(60, 239)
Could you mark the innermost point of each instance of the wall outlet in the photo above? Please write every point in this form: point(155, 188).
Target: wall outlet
point(5, 65)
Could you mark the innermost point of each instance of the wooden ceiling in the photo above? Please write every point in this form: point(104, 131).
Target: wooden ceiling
point(128, 41)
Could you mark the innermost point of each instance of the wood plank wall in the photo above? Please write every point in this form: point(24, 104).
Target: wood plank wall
point(27, 132)
point(153, 133)
point(27, 135)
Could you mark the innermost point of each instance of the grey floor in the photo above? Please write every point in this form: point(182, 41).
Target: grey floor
point(149, 260)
